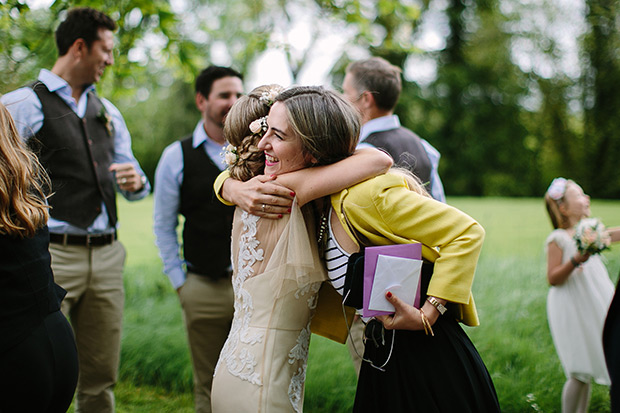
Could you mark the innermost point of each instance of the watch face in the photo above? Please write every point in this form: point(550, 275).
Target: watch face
point(440, 307)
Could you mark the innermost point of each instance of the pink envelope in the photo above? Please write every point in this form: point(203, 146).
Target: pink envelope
point(413, 251)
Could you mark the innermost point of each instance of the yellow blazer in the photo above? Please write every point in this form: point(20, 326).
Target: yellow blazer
point(217, 186)
point(384, 211)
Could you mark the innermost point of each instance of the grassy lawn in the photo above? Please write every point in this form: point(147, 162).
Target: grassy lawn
point(510, 290)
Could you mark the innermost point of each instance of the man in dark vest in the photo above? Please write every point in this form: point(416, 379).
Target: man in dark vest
point(184, 185)
point(83, 142)
point(373, 86)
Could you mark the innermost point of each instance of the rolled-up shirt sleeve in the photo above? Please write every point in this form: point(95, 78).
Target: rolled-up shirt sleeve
point(168, 179)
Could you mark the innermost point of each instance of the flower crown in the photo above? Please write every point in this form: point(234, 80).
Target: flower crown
point(257, 127)
point(557, 188)
point(269, 96)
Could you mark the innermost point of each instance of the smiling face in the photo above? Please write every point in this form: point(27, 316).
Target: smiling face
point(576, 204)
point(98, 56)
point(283, 149)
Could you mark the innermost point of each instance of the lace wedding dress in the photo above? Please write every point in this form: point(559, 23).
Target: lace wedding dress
point(277, 274)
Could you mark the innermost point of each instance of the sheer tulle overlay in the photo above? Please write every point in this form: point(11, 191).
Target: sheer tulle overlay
point(277, 274)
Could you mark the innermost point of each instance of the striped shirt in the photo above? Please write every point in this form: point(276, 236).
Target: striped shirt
point(336, 259)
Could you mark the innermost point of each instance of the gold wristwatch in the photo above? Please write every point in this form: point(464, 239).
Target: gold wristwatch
point(440, 307)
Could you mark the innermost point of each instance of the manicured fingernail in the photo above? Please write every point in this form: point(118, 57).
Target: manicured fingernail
point(389, 294)
point(292, 193)
point(288, 210)
point(280, 216)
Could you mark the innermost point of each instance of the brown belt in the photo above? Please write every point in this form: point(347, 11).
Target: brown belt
point(90, 240)
point(210, 274)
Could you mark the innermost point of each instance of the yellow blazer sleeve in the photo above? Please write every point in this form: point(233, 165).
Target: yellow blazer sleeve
point(385, 211)
point(217, 186)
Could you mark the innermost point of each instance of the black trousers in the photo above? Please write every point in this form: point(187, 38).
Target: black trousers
point(40, 373)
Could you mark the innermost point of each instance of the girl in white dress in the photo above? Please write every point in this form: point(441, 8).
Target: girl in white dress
point(579, 297)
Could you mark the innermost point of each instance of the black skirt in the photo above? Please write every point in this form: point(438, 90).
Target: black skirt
point(443, 373)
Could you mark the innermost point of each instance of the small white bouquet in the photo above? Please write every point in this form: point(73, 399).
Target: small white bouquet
point(591, 236)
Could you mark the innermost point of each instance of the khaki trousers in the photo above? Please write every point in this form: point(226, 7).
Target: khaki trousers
point(356, 346)
point(93, 278)
point(208, 312)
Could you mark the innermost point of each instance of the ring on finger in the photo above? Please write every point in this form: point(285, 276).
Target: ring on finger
point(263, 208)
point(123, 180)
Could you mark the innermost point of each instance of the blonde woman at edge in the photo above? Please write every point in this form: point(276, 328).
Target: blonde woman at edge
point(38, 357)
point(277, 270)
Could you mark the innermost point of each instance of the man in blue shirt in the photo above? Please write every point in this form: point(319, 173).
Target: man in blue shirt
point(373, 86)
point(82, 140)
point(184, 186)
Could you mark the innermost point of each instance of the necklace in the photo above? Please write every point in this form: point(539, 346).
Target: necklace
point(322, 229)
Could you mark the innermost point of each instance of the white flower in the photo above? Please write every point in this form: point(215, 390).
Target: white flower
point(255, 126)
point(230, 155)
point(269, 96)
point(259, 125)
point(557, 188)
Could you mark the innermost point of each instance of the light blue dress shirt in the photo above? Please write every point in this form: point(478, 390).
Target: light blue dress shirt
point(385, 123)
point(167, 195)
point(27, 111)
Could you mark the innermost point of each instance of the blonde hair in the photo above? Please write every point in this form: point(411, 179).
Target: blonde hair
point(256, 104)
point(327, 124)
point(558, 220)
point(23, 183)
point(413, 182)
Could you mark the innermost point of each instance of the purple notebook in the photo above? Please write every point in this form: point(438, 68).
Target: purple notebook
point(371, 254)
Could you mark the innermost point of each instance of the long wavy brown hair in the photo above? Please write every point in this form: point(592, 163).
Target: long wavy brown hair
point(23, 183)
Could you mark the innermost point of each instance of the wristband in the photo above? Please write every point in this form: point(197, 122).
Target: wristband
point(440, 307)
point(574, 262)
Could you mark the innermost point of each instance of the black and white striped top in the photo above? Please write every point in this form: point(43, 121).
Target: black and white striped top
point(336, 259)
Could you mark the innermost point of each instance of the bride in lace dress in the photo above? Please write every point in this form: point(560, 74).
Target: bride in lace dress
point(277, 270)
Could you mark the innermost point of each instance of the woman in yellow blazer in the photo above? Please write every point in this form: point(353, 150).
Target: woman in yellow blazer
point(431, 363)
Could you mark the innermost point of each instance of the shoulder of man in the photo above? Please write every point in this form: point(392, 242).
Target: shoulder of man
point(19, 98)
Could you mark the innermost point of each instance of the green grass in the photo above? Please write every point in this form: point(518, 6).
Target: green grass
point(510, 290)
